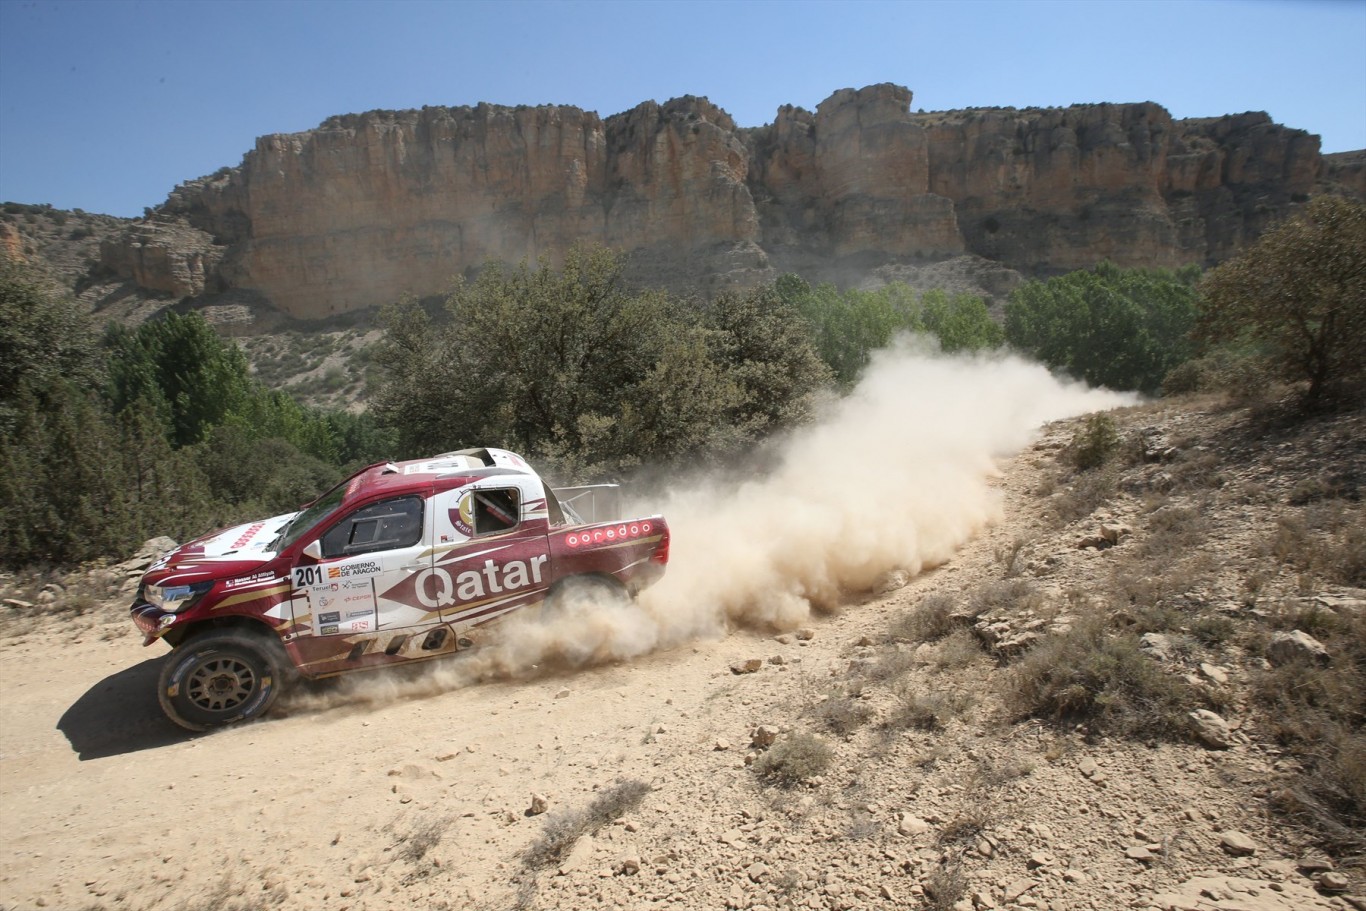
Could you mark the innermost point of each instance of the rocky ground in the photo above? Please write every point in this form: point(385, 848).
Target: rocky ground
point(926, 746)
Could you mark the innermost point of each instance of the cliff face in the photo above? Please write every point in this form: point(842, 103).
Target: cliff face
point(369, 206)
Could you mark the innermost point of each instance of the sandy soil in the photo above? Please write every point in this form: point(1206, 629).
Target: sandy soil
point(409, 792)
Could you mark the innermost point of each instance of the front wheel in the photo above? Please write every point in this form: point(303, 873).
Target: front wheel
point(219, 678)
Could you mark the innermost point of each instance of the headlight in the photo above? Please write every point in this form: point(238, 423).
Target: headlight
point(174, 598)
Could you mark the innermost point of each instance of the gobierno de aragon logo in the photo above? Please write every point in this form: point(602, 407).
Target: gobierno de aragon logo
point(368, 568)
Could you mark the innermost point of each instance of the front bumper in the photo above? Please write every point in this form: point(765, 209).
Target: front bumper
point(151, 621)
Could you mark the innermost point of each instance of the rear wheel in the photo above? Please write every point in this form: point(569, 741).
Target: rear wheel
point(220, 678)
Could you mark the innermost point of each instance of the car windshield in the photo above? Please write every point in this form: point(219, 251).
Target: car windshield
point(310, 518)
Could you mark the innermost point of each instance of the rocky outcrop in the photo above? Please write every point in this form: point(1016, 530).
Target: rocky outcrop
point(369, 206)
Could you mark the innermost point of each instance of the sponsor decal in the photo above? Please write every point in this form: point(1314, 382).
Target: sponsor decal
point(350, 615)
point(324, 601)
point(611, 535)
point(368, 568)
point(463, 516)
point(329, 617)
point(329, 630)
point(248, 534)
point(437, 588)
point(249, 580)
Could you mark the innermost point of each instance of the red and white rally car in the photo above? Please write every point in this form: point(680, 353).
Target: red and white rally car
point(401, 562)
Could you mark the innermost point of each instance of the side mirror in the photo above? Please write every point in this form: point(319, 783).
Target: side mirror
point(313, 549)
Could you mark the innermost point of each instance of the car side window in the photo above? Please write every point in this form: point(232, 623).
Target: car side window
point(385, 525)
point(495, 511)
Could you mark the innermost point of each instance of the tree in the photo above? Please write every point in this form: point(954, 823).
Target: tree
point(44, 338)
point(1122, 328)
point(575, 369)
point(1299, 294)
point(961, 322)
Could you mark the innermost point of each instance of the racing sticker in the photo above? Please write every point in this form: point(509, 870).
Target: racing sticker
point(341, 596)
point(463, 517)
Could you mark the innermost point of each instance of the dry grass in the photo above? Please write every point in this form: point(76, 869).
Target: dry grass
point(945, 887)
point(841, 713)
point(929, 621)
point(563, 830)
point(1317, 713)
point(925, 711)
point(425, 836)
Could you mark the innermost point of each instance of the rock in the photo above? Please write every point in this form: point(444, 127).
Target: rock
point(1217, 674)
point(539, 804)
point(1211, 730)
point(721, 744)
point(1237, 844)
point(1159, 645)
point(1087, 766)
point(1314, 863)
point(748, 666)
point(1113, 534)
point(562, 694)
point(909, 825)
point(1076, 876)
point(629, 865)
point(579, 855)
point(764, 736)
point(756, 871)
point(777, 660)
point(891, 581)
point(732, 837)
point(806, 634)
point(1295, 646)
point(1139, 853)
point(1332, 881)
point(1017, 888)
point(1039, 859)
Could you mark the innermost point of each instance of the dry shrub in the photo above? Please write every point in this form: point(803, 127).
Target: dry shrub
point(564, 829)
point(1007, 596)
point(1172, 530)
point(1085, 494)
point(924, 711)
point(425, 836)
point(959, 650)
point(1316, 713)
point(841, 714)
point(945, 887)
point(795, 759)
point(930, 621)
point(1211, 629)
point(1093, 674)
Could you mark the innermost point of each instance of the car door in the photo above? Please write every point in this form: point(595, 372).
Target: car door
point(493, 551)
point(366, 580)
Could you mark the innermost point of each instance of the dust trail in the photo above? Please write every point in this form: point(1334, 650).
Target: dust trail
point(893, 476)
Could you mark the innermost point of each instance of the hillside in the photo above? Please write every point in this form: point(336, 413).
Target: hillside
point(335, 221)
point(1208, 530)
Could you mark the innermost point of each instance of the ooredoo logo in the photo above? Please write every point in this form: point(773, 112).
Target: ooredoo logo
point(613, 535)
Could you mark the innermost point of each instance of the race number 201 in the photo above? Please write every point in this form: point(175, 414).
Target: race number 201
point(307, 575)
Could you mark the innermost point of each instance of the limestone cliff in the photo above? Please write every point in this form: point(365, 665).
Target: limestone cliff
point(369, 206)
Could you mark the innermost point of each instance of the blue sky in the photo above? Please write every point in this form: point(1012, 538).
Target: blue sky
point(107, 105)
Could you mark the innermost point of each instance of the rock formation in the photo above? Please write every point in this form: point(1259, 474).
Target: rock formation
point(369, 206)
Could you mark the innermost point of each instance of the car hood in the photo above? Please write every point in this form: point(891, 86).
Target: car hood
point(221, 554)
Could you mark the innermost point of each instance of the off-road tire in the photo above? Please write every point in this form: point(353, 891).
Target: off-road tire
point(220, 678)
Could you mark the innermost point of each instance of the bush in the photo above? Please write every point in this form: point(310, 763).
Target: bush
point(798, 758)
point(930, 621)
point(1100, 677)
point(1093, 444)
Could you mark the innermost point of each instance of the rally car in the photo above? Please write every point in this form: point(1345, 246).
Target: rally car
point(401, 562)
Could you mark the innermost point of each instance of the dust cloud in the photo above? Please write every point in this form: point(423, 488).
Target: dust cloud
point(896, 475)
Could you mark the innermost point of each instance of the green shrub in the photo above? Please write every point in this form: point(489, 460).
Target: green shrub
point(795, 759)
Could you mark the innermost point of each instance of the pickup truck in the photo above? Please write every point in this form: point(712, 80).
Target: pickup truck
point(401, 562)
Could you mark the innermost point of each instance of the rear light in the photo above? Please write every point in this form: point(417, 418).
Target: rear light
point(661, 554)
